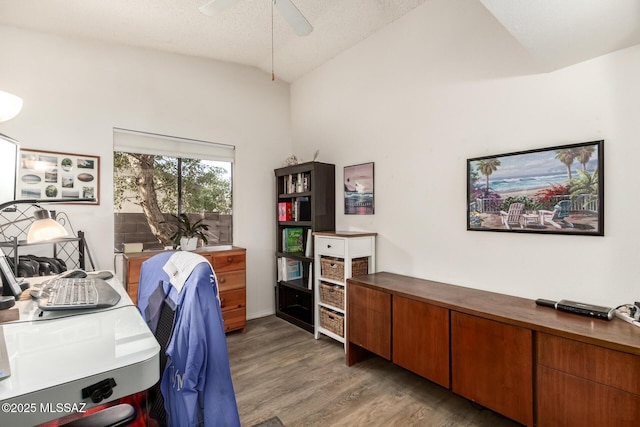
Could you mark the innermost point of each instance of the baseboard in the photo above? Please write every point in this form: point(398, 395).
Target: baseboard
point(251, 316)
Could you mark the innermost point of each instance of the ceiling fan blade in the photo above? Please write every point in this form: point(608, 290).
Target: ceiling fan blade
point(214, 6)
point(293, 16)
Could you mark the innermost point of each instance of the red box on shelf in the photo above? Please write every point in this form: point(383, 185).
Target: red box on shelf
point(284, 211)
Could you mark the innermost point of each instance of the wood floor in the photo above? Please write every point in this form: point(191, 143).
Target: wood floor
point(281, 370)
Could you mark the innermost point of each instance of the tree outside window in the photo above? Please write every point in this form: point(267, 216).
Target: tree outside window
point(150, 189)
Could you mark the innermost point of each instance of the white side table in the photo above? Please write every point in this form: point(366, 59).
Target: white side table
point(335, 253)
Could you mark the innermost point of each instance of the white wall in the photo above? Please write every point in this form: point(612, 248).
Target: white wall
point(443, 84)
point(446, 83)
point(75, 92)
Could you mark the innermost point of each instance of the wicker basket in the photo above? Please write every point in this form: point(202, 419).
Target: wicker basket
point(333, 268)
point(332, 295)
point(332, 321)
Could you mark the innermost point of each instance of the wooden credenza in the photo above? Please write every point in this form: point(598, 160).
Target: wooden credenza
point(535, 365)
point(230, 265)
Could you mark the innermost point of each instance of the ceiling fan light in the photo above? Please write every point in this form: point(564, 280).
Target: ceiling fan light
point(294, 17)
point(10, 106)
point(214, 6)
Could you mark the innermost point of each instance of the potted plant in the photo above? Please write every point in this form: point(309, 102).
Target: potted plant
point(187, 234)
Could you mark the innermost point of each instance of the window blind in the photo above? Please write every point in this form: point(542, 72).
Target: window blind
point(131, 141)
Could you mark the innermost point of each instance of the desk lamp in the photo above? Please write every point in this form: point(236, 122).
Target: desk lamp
point(45, 228)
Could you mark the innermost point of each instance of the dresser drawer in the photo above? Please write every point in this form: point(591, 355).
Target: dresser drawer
point(133, 270)
point(132, 291)
point(231, 300)
point(329, 246)
point(234, 319)
point(231, 280)
point(609, 367)
point(228, 261)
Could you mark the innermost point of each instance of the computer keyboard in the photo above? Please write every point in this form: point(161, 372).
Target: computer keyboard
point(77, 293)
point(72, 292)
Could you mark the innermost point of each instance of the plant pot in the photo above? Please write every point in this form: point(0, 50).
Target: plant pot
point(188, 243)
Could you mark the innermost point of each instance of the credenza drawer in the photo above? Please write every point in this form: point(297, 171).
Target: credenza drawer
point(492, 364)
point(567, 400)
point(608, 367)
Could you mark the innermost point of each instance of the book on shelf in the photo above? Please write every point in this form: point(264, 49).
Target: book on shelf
point(302, 209)
point(306, 182)
point(285, 211)
point(292, 239)
point(289, 269)
point(280, 268)
point(308, 250)
point(310, 276)
point(297, 183)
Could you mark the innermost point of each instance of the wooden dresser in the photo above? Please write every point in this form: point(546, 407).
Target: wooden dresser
point(230, 265)
point(535, 365)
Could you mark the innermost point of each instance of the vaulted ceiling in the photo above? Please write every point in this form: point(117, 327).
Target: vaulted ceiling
point(556, 32)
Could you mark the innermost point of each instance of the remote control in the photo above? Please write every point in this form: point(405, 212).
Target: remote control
point(546, 302)
point(579, 308)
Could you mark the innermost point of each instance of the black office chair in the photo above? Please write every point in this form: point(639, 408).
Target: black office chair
point(163, 334)
point(114, 416)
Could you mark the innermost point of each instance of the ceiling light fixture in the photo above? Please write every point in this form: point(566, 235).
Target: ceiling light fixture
point(286, 8)
point(10, 106)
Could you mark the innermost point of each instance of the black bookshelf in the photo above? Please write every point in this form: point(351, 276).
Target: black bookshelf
point(309, 189)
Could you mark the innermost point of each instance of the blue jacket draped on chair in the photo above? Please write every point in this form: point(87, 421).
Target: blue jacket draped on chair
point(196, 383)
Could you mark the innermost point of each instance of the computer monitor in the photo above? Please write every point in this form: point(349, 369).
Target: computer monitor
point(10, 286)
point(8, 168)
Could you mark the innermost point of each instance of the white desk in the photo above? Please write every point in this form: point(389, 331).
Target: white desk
point(55, 356)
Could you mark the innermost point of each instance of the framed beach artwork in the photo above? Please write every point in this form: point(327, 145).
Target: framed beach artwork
point(555, 190)
point(358, 189)
point(46, 175)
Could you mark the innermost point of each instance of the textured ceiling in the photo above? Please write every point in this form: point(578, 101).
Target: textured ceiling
point(558, 33)
point(241, 33)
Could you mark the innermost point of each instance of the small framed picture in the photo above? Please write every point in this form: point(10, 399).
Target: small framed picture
point(358, 189)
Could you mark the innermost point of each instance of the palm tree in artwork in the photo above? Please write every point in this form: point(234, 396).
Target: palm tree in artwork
point(585, 186)
point(566, 156)
point(586, 183)
point(583, 154)
point(487, 167)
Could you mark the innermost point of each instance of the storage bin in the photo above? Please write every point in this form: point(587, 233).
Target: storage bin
point(332, 295)
point(332, 321)
point(333, 268)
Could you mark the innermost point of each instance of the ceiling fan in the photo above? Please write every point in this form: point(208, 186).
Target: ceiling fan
point(287, 9)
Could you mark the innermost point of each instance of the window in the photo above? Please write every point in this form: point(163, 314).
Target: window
point(157, 177)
